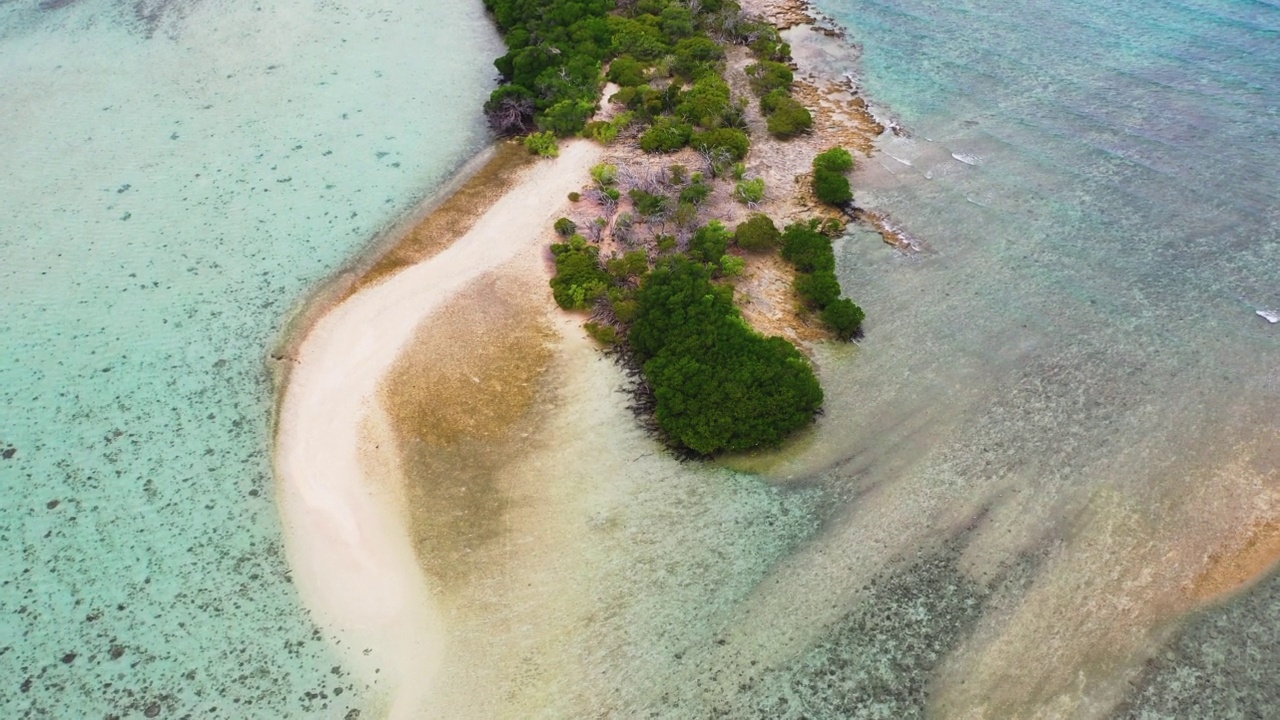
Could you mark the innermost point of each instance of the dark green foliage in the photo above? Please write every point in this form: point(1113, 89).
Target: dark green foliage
point(575, 196)
point(696, 57)
point(648, 204)
point(666, 135)
point(831, 187)
point(757, 234)
point(565, 227)
point(579, 279)
point(789, 118)
point(706, 104)
point(566, 117)
point(768, 76)
point(734, 143)
point(837, 159)
point(807, 249)
point(678, 174)
point(804, 245)
point(709, 242)
point(718, 385)
point(641, 37)
point(631, 264)
point(818, 289)
point(626, 71)
point(844, 318)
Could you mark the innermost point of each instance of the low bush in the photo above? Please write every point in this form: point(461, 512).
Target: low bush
point(648, 204)
point(789, 118)
point(542, 143)
point(757, 234)
point(565, 227)
point(767, 76)
point(626, 71)
point(579, 280)
point(709, 242)
point(750, 191)
point(666, 135)
point(807, 249)
point(831, 187)
point(837, 159)
point(844, 318)
point(734, 143)
point(818, 289)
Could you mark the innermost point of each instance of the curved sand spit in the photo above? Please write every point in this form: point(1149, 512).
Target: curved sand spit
point(345, 533)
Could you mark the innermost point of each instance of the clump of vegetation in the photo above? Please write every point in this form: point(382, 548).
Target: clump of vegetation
point(732, 143)
point(805, 247)
point(787, 117)
point(767, 76)
point(604, 174)
point(718, 385)
point(750, 191)
point(648, 204)
point(579, 280)
point(829, 181)
point(709, 243)
point(575, 197)
point(666, 135)
point(565, 227)
point(542, 143)
point(757, 234)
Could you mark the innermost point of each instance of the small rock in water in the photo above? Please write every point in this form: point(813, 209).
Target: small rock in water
point(1270, 316)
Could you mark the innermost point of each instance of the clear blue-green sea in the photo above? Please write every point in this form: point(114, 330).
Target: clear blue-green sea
point(177, 177)
point(1064, 414)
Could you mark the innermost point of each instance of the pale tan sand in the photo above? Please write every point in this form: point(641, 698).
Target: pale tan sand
point(345, 532)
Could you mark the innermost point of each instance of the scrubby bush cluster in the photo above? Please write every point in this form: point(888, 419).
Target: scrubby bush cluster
point(771, 81)
point(718, 385)
point(829, 181)
point(757, 234)
point(809, 250)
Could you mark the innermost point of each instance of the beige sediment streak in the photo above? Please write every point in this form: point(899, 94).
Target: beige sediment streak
point(345, 532)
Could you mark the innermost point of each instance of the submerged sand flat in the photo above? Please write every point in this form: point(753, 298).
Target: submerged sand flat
point(345, 533)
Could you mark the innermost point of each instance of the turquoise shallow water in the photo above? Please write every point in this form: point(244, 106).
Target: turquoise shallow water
point(178, 176)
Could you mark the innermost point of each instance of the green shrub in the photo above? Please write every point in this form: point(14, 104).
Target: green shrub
point(666, 243)
point(832, 227)
point(626, 71)
point(567, 117)
point(732, 265)
point(837, 159)
point(767, 76)
point(678, 173)
point(648, 204)
point(542, 143)
point(807, 249)
point(789, 118)
point(575, 196)
point(818, 289)
point(735, 143)
point(844, 318)
point(565, 227)
point(750, 191)
point(717, 384)
point(697, 191)
point(709, 242)
point(831, 187)
point(579, 280)
point(706, 103)
point(631, 264)
point(604, 174)
point(696, 57)
point(757, 233)
point(666, 135)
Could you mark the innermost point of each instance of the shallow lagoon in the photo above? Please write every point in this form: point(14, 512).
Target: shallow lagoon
point(178, 178)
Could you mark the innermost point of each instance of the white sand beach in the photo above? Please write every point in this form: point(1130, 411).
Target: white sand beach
point(345, 532)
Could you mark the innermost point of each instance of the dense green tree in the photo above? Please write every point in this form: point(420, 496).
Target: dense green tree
point(807, 249)
point(831, 187)
point(844, 318)
point(626, 71)
point(719, 386)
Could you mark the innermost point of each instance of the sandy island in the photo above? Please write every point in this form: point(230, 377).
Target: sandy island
point(345, 533)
